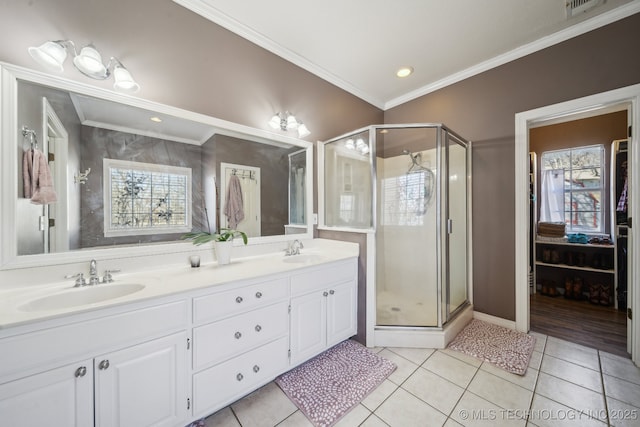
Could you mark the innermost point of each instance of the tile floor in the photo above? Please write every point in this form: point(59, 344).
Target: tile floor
point(565, 385)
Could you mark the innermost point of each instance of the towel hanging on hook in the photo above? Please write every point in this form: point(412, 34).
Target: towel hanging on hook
point(37, 180)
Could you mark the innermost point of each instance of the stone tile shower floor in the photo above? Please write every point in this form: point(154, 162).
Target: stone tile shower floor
point(566, 384)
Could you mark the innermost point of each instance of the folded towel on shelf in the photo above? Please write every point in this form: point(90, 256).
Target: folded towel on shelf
point(37, 180)
point(551, 229)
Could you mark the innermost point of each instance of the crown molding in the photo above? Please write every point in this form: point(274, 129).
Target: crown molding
point(204, 9)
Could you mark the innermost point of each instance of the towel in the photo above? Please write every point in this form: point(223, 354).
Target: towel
point(38, 183)
point(234, 207)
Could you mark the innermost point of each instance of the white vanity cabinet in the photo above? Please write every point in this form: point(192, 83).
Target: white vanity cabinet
point(128, 371)
point(323, 308)
point(240, 341)
point(62, 397)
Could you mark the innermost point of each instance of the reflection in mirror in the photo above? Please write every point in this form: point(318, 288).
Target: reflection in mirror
point(125, 175)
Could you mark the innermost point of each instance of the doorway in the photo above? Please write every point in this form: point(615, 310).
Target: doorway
point(625, 98)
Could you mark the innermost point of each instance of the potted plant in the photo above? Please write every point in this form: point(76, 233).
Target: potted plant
point(222, 241)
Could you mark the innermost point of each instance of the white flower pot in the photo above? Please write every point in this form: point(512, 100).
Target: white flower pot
point(223, 252)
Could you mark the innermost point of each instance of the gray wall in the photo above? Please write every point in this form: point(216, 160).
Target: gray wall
point(482, 109)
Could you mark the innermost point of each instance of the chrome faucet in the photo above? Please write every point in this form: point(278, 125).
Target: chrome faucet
point(294, 248)
point(93, 272)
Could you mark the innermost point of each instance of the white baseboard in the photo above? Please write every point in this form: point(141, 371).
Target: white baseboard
point(511, 324)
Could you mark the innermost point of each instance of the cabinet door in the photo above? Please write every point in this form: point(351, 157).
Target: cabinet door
point(144, 385)
point(308, 325)
point(59, 397)
point(342, 312)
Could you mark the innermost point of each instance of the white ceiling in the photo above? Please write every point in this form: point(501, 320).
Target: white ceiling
point(359, 44)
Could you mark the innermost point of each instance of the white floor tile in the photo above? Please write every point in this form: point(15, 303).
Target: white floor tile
point(266, 407)
point(404, 367)
point(473, 361)
point(501, 392)
point(379, 394)
point(415, 355)
point(536, 360)
point(222, 418)
point(373, 421)
point(297, 419)
point(354, 417)
point(574, 353)
point(450, 368)
point(619, 367)
point(548, 413)
point(570, 394)
point(571, 372)
point(402, 409)
point(528, 380)
point(622, 390)
point(541, 340)
point(622, 414)
point(474, 411)
point(452, 423)
point(434, 390)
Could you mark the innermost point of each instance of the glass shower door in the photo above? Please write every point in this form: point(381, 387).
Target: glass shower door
point(456, 224)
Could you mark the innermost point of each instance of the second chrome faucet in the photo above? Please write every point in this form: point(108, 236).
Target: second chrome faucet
point(94, 279)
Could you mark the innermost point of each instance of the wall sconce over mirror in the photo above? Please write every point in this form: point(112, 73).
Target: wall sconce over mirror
point(287, 122)
point(52, 55)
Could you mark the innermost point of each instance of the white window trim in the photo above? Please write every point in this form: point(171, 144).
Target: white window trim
point(109, 231)
point(602, 188)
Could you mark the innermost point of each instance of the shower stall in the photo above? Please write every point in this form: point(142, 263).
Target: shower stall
point(408, 188)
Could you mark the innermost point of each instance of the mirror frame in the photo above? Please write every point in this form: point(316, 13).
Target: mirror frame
point(9, 131)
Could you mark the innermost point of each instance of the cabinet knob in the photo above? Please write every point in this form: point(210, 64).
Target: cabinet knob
point(258, 328)
point(239, 377)
point(258, 294)
point(325, 293)
point(331, 292)
point(238, 335)
point(104, 365)
point(238, 300)
point(256, 368)
point(81, 371)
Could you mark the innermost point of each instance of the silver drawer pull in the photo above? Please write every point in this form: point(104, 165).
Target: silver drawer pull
point(239, 377)
point(325, 293)
point(258, 328)
point(81, 371)
point(238, 335)
point(331, 292)
point(256, 368)
point(238, 300)
point(104, 365)
point(258, 294)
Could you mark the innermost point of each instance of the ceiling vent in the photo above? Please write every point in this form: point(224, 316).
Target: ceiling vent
point(576, 7)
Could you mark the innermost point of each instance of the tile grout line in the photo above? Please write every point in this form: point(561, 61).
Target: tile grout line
point(604, 392)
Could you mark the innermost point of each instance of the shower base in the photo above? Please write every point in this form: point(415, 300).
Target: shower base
point(405, 310)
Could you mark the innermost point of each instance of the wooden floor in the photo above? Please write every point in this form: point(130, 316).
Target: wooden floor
point(603, 328)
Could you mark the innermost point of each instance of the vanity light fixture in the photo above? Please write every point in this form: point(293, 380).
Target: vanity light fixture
point(357, 145)
point(52, 54)
point(288, 121)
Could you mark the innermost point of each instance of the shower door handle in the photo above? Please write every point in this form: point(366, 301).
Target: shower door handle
point(449, 226)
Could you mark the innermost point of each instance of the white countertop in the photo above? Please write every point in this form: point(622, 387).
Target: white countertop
point(164, 282)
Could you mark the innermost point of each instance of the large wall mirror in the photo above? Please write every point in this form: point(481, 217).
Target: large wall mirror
point(89, 173)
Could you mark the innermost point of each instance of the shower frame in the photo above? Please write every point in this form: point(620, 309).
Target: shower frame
point(448, 323)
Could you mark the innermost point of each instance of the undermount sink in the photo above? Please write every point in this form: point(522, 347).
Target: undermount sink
point(75, 297)
point(303, 258)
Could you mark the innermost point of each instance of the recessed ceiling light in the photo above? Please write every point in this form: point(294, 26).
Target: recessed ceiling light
point(155, 119)
point(404, 71)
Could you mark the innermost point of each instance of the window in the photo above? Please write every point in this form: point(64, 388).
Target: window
point(572, 188)
point(144, 198)
point(405, 198)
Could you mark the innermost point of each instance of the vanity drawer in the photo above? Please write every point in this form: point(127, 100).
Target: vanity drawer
point(224, 304)
point(221, 384)
point(226, 338)
point(324, 276)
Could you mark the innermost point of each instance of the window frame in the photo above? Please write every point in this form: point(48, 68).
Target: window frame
point(114, 231)
point(569, 191)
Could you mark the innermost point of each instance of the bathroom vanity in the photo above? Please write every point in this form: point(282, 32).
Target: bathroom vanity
point(187, 343)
